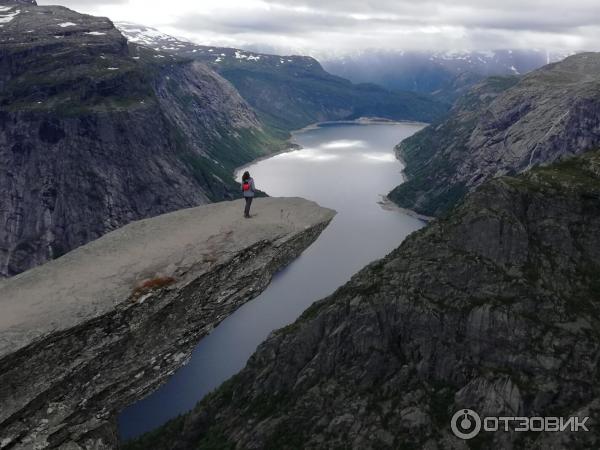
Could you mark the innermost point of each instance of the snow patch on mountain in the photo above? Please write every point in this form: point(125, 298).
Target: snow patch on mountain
point(430, 72)
point(162, 42)
point(10, 16)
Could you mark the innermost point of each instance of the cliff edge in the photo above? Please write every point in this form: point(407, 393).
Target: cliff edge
point(494, 308)
point(87, 334)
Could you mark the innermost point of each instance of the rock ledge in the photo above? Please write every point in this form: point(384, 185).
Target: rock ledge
point(79, 339)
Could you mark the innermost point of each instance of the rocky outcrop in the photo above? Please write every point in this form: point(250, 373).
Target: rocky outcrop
point(495, 308)
point(503, 126)
point(95, 133)
point(85, 335)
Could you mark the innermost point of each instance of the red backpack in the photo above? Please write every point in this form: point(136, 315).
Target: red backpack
point(246, 186)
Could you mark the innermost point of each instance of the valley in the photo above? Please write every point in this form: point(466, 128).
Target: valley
point(291, 92)
point(133, 132)
point(430, 250)
point(332, 155)
point(508, 328)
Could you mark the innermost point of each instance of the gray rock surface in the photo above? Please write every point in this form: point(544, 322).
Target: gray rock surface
point(495, 308)
point(87, 334)
point(95, 133)
point(503, 126)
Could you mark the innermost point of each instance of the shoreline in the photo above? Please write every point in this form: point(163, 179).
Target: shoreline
point(359, 121)
point(389, 205)
point(293, 146)
point(385, 201)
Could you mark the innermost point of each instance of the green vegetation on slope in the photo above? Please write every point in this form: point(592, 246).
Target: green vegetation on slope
point(159, 439)
point(433, 154)
point(228, 152)
point(504, 125)
point(71, 72)
point(291, 98)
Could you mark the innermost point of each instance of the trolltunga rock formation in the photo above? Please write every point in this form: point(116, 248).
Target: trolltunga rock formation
point(85, 335)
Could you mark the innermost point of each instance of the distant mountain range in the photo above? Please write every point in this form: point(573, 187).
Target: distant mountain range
point(290, 92)
point(446, 75)
point(443, 75)
point(504, 125)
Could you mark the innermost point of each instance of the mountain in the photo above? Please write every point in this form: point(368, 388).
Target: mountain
point(290, 92)
point(446, 75)
point(493, 308)
point(503, 126)
point(96, 133)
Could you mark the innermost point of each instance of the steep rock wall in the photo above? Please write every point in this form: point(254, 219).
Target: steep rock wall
point(503, 126)
point(95, 134)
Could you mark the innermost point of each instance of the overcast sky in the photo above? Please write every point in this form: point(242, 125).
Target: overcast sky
point(324, 27)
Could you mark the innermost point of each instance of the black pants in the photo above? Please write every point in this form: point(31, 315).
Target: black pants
point(247, 209)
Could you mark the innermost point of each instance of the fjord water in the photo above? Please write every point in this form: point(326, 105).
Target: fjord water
point(344, 166)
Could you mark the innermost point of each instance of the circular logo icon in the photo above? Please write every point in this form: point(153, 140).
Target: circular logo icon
point(466, 424)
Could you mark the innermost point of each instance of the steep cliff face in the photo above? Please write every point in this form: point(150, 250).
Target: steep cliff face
point(85, 335)
point(290, 92)
point(94, 134)
point(503, 126)
point(494, 308)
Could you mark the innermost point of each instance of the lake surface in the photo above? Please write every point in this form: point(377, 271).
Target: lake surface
point(344, 166)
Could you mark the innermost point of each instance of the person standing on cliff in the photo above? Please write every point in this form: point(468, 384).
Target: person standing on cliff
point(248, 192)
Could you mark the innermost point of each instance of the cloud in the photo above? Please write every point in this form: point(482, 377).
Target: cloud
point(264, 21)
point(83, 4)
point(326, 27)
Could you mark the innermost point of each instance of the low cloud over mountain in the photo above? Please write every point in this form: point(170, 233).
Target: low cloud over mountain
point(345, 26)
